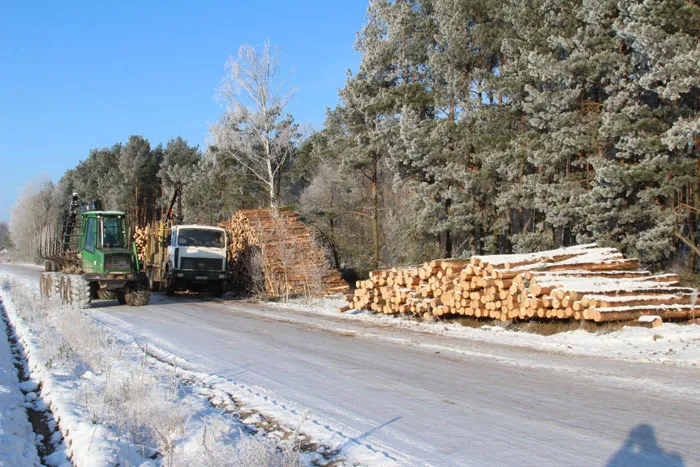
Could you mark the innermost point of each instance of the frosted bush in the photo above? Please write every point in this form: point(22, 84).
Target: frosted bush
point(217, 446)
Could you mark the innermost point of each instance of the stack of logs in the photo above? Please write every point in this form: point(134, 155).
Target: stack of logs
point(292, 261)
point(583, 282)
point(141, 240)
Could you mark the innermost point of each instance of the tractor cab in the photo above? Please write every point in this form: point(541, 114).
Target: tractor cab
point(103, 243)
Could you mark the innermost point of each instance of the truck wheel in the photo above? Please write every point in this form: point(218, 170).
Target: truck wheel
point(137, 293)
point(170, 287)
point(216, 289)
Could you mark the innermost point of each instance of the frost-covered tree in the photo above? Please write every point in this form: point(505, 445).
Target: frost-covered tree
point(5, 240)
point(137, 188)
point(254, 130)
point(439, 161)
point(33, 212)
point(646, 174)
point(123, 177)
point(552, 65)
point(178, 168)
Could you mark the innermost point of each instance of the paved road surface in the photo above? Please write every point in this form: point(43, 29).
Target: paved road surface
point(405, 394)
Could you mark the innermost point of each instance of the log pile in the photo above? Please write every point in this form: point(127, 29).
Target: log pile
point(291, 260)
point(140, 238)
point(583, 282)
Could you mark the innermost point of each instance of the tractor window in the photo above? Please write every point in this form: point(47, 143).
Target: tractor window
point(205, 238)
point(112, 233)
point(90, 234)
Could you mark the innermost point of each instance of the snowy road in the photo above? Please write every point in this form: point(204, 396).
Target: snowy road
point(422, 399)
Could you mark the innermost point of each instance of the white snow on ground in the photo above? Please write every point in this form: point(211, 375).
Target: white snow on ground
point(671, 343)
point(68, 381)
point(114, 405)
point(207, 426)
point(17, 440)
point(290, 416)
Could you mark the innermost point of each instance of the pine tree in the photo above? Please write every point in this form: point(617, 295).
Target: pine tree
point(647, 166)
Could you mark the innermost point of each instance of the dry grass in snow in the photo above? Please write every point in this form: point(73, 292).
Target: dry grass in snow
point(114, 405)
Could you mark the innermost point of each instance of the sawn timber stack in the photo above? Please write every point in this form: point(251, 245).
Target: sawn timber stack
point(293, 263)
point(583, 282)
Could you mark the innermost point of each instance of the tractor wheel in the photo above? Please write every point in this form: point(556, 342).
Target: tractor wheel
point(121, 296)
point(48, 284)
point(43, 286)
point(138, 293)
point(79, 291)
point(104, 294)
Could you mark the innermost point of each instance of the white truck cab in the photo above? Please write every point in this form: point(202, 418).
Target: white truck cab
point(197, 255)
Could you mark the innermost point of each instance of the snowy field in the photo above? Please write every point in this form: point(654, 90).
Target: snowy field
point(354, 389)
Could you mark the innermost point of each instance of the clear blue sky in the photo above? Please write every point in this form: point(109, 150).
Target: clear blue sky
point(80, 75)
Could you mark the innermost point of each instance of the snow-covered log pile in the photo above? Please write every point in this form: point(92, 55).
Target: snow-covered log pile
point(292, 261)
point(582, 282)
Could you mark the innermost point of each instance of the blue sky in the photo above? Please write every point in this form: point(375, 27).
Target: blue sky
point(80, 75)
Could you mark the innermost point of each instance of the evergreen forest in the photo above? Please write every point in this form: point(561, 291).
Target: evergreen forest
point(470, 127)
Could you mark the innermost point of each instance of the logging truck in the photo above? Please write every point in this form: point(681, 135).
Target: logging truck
point(182, 257)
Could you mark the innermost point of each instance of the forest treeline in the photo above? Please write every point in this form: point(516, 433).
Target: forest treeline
point(470, 127)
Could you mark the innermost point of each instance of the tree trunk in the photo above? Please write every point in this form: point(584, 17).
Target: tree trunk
point(334, 250)
point(448, 232)
point(278, 185)
point(272, 192)
point(375, 213)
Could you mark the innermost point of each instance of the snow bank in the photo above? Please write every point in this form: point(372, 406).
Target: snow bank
point(68, 375)
point(670, 343)
point(16, 436)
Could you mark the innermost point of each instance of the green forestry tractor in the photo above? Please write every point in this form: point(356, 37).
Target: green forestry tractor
point(88, 255)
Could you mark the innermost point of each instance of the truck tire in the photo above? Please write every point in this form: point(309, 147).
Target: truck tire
point(216, 289)
point(170, 287)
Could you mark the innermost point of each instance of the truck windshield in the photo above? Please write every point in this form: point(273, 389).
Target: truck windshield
point(112, 232)
point(204, 238)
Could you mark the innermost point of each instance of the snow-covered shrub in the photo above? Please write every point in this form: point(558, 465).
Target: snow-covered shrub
point(216, 445)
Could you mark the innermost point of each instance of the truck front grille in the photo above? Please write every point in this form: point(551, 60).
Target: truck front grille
point(118, 262)
point(201, 264)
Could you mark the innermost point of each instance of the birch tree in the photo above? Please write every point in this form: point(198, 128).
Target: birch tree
point(254, 130)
